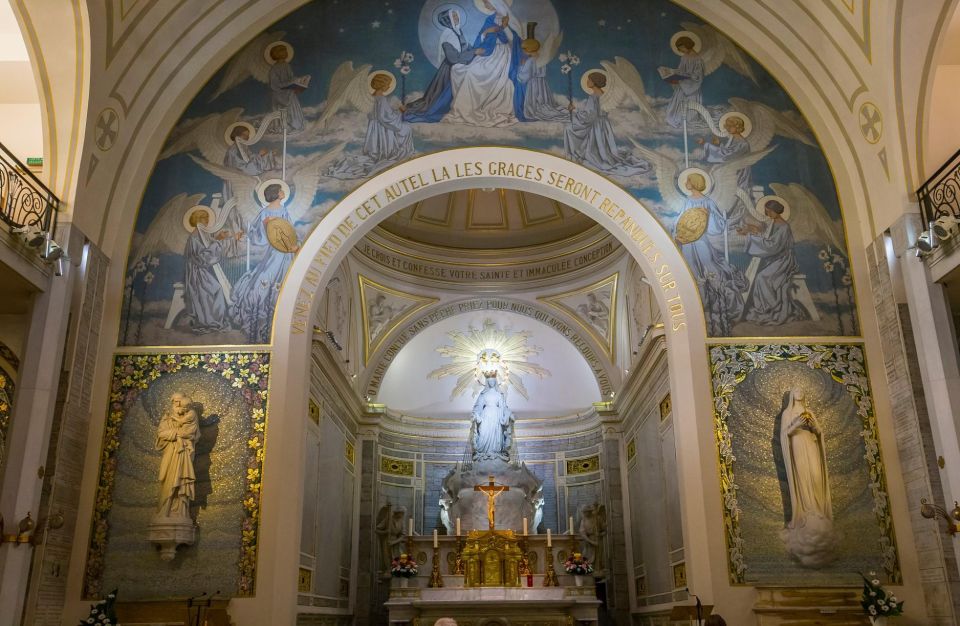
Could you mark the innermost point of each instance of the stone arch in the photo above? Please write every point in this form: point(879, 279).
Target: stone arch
point(614, 208)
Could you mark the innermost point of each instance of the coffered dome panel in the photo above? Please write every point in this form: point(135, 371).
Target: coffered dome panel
point(487, 219)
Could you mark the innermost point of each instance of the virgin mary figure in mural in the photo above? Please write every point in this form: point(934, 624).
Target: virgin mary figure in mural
point(486, 92)
point(454, 51)
point(808, 533)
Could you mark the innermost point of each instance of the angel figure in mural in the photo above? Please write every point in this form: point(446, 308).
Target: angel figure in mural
point(285, 86)
point(772, 298)
point(596, 312)
point(454, 51)
point(272, 233)
point(177, 435)
point(539, 103)
point(486, 91)
point(379, 314)
point(388, 139)
point(589, 138)
point(225, 138)
point(203, 235)
point(702, 50)
point(205, 299)
point(808, 533)
point(701, 232)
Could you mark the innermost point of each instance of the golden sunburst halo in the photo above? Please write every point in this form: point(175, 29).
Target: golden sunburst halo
point(489, 349)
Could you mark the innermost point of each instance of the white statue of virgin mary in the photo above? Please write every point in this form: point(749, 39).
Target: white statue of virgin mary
point(493, 423)
point(809, 535)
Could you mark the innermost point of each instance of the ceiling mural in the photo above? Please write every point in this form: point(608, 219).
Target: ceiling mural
point(594, 307)
point(644, 93)
point(383, 310)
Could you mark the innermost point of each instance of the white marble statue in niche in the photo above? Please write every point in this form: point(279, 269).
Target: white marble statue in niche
point(177, 436)
point(591, 531)
point(808, 534)
point(493, 423)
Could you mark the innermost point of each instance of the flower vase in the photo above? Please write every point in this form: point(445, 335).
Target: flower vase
point(404, 582)
point(578, 579)
point(878, 620)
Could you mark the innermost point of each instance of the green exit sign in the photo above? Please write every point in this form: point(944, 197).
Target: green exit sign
point(35, 161)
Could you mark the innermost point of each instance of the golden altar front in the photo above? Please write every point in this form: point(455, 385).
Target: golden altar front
point(492, 558)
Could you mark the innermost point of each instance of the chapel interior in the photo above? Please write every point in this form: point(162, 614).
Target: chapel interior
point(479, 312)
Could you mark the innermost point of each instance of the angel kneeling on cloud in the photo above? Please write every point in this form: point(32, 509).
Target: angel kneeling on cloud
point(589, 138)
point(389, 139)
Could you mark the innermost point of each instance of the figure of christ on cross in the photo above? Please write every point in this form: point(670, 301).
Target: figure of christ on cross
point(492, 490)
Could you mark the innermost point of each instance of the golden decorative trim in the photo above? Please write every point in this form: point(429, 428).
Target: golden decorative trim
point(397, 467)
point(528, 221)
point(314, 411)
point(586, 465)
point(631, 449)
point(870, 121)
point(504, 223)
point(608, 341)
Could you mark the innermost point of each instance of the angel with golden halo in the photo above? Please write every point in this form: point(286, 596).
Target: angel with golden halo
point(388, 139)
point(702, 50)
point(589, 138)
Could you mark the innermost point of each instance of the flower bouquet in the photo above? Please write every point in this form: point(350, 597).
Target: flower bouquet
point(403, 566)
point(102, 613)
point(876, 601)
point(577, 565)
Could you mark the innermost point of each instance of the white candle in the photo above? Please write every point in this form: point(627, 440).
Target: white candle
point(411, 527)
point(549, 539)
point(458, 527)
point(570, 524)
point(435, 544)
point(524, 526)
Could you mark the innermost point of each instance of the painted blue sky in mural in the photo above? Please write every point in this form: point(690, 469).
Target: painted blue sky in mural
point(643, 92)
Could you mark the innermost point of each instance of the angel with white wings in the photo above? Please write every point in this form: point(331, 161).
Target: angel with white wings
point(705, 202)
point(702, 50)
point(777, 295)
point(539, 103)
point(388, 139)
point(182, 226)
point(589, 138)
point(226, 138)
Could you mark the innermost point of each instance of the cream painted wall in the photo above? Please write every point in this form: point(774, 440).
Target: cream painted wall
point(943, 137)
point(21, 129)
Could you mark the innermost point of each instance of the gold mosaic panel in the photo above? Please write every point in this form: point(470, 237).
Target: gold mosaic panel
point(314, 412)
point(398, 467)
point(631, 449)
point(350, 452)
point(305, 580)
point(583, 466)
point(666, 407)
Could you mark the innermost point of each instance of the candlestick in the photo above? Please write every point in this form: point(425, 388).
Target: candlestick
point(411, 527)
point(570, 524)
point(549, 539)
point(550, 576)
point(436, 580)
point(525, 526)
point(458, 527)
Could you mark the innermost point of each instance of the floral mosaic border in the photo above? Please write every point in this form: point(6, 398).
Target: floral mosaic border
point(247, 371)
point(845, 363)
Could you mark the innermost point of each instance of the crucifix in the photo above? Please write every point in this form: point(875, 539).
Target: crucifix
point(491, 490)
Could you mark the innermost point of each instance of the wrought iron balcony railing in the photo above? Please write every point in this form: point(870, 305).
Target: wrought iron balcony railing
point(24, 200)
point(940, 195)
